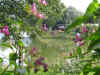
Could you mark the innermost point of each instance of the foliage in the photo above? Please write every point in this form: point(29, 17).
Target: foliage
point(20, 17)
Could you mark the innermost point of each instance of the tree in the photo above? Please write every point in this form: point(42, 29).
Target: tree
point(71, 14)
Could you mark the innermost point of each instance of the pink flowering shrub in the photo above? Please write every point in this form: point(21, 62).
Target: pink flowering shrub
point(5, 30)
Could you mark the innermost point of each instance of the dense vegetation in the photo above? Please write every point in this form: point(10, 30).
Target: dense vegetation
point(37, 50)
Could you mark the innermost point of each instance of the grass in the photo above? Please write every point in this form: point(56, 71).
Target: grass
point(53, 47)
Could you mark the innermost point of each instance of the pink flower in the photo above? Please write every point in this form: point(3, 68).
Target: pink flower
point(33, 51)
point(77, 36)
point(44, 2)
point(5, 30)
point(0, 31)
point(44, 26)
point(6, 27)
point(40, 15)
point(38, 63)
point(34, 9)
point(84, 30)
point(81, 43)
point(77, 44)
point(7, 33)
point(42, 58)
point(79, 39)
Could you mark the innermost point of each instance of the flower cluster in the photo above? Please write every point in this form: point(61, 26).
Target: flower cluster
point(39, 62)
point(5, 30)
point(78, 40)
point(39, 14)
point(34, 9)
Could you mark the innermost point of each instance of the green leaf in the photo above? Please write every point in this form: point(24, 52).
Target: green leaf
point(81, 73)
point(93, 44)
point(94, 36)
point(97, 12)
point(1, 60)
point(12, 58)
point(92, 8)
point(79, 51)
point(20, 43)
point(9, 73)
point(97, 70)
point(5, 45)
point(91, 73)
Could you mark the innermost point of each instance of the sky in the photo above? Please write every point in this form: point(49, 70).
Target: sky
point(80, 5)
